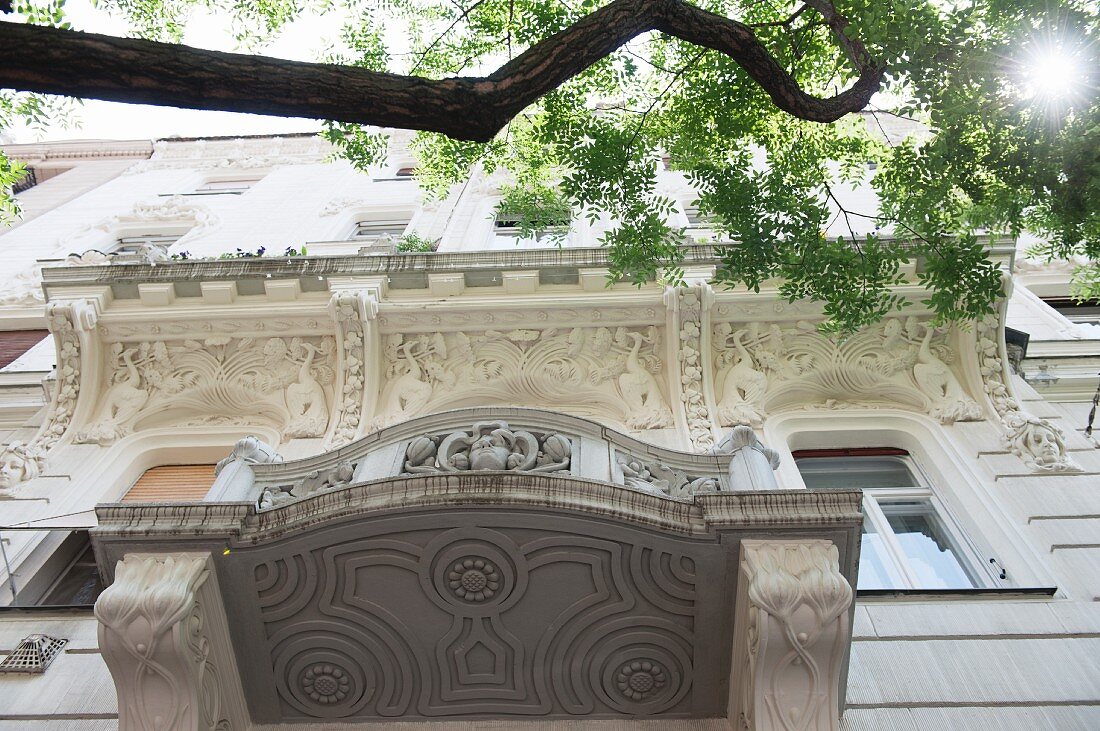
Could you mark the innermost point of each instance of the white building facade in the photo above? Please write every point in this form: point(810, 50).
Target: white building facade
point(478, 487)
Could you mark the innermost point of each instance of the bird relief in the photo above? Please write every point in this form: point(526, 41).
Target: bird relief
point(899, 361)
point(269, 380)
point(611, 374)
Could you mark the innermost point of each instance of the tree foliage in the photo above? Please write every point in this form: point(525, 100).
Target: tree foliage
point(992, 153)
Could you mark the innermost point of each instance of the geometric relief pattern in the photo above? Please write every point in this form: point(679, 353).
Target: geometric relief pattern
point(482, 620)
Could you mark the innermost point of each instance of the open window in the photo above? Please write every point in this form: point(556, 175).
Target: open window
point(909, 540)
point(507, 232)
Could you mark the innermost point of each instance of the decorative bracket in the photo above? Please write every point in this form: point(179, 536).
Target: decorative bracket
point(72, 325)
point(165, 639)
point(792, 637)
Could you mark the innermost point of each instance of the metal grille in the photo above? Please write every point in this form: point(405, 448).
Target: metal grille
point(33, 654)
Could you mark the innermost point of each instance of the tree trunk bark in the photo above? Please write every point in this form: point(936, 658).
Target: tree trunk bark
point(87, 65)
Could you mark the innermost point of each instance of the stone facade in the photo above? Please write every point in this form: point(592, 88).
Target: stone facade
point(653, 422)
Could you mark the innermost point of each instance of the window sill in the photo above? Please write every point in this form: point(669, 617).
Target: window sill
point(1006, 593)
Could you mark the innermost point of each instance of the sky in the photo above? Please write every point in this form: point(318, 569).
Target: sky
point(302, 41)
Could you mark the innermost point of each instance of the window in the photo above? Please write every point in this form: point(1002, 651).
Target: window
point(230, 186)
point(36, 176)
point(14, 343)
point(506, 232)
point(135, 243)
point(1085, 313)
point(406, 172)
point(79, 582)
point(909, 542)
point(172, 483)
point(365, 230)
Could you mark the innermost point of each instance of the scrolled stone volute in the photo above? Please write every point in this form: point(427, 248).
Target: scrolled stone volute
point(752, 464)
point(234, 476)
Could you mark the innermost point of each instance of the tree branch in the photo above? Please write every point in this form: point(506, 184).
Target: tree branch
point(54, 61)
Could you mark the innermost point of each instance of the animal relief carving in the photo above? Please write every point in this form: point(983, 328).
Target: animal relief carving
point(286, 383)
point(489, 445)
point(612, 373)
point(897, 362)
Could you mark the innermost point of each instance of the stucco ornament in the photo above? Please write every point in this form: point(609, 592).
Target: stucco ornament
point(1040, 444)
point(950, 403)
point(612, 372)
point(283, 382)
point(793, 631)
point(337, 476)
point(350, 310)
point(661, 479)
point(743, 385)
point(166, 643)
point(489, 445)
point(24, 461)
point(903, 362)
point(1037, 442)
point(175, 209)
point(689, 308)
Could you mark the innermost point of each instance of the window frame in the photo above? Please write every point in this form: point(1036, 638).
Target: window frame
point(391, 223)
point(901, 568)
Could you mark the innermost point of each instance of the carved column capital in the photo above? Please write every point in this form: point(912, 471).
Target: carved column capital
point(165, 639)
point(792, 636)
point(752, 465)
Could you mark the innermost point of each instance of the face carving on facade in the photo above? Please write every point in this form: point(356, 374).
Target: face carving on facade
point(492, 451)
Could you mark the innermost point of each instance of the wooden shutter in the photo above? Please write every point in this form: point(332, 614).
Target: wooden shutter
point(13, 343)
point(171, 484)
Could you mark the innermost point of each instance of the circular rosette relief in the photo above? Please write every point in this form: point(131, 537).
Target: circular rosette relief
point(642, 672)
point(323, 676)
point(473, 572)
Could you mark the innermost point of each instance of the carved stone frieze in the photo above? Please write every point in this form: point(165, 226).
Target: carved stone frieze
point(1040, 444)
point(793, 634)
point(283, 382)
point(659, 478)
point(164, 638)
point(901, 361)
point(690, 354)
point(316, 481)
point(489, 445)
point(612, 373)
point(66, 321)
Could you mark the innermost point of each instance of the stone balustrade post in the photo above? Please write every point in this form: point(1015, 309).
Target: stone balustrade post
point(234, 476)
point(752, 465)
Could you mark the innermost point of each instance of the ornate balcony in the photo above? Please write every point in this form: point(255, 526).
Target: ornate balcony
point(484, 563)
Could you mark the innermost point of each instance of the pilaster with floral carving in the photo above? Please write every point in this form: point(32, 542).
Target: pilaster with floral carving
point(1040, 444)
point(165, 639)
point(352, 310)
point(689, 308)
point(792, 633)
point(72, 325)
